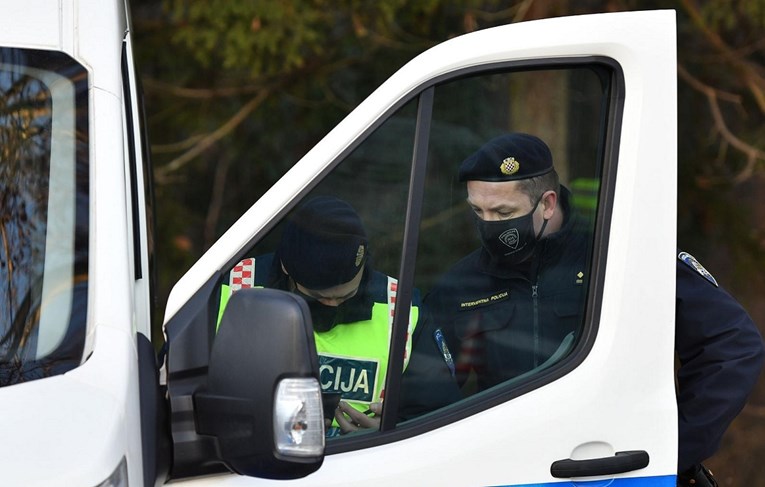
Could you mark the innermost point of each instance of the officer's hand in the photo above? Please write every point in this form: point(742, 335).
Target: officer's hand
point(350, 419)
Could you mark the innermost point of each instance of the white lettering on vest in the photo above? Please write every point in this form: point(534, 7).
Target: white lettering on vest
point(356, 379)
point(348, 386)
point(362, 383)
point(330, 370)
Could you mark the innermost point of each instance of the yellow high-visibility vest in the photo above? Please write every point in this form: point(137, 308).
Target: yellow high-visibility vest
point(353, 357)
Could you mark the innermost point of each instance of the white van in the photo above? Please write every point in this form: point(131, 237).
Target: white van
point(82, 402)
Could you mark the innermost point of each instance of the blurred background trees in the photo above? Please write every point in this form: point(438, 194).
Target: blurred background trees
point(237, 92)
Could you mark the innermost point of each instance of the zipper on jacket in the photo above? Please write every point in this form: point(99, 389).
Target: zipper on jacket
point(536, 265)
point(535, 302)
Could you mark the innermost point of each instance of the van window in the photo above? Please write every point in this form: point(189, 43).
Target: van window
point(43, 215)
point(340, 249)
point(471, 338)
point(495, 320)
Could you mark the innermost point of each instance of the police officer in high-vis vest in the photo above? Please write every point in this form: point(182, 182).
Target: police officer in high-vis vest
point(510, 305)
point(323, 256)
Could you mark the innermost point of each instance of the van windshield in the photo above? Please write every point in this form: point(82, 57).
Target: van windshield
point(43, 214)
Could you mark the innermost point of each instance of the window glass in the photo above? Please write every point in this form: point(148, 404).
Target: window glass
point(43, 215)
point(503, 264)
point(340, 249)
point(469, 331)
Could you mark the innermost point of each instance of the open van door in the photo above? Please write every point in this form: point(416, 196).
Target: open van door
point(601, 91)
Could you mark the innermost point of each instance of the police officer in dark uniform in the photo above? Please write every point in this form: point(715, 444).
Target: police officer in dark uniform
point(534, 248)
point(721, 353)
point(531, 270)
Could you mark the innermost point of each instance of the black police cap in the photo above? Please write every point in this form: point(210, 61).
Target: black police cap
point(509, 157)
point(324, 243)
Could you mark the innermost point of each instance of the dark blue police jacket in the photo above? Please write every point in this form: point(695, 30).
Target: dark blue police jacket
point(502, 321)
point(491, 320)
point(720, 351)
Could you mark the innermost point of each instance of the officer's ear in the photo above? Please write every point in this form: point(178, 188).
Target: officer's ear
point(549, 204)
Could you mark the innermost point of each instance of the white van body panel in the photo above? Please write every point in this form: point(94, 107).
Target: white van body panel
point(76, 428)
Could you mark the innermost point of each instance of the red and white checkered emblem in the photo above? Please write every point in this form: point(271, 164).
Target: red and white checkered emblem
point(242, 275)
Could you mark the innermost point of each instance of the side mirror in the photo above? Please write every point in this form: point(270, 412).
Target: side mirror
point(262, 402)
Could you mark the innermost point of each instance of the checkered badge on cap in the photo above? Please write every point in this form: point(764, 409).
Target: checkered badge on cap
point(509, 166)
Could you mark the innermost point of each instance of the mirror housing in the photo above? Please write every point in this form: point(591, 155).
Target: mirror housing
point(263, 347)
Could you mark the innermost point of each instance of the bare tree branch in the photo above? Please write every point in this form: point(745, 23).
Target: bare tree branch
point(752, 153)
point(9, 265)
point(177, 146)
point(523, 9)
point(515, 13)
point(161, 87)
point(208, 141)
point(752, 74)
point(216, 201)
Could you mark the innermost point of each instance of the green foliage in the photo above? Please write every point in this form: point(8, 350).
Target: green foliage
point(312, 60)
point(317, 59)
point(726, 15)
point(272, 37)
point(266, 37)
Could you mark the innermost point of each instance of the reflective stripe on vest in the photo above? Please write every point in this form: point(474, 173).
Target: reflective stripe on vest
point(241, 276)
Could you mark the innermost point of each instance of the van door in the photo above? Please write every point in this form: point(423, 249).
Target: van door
point(589, 401)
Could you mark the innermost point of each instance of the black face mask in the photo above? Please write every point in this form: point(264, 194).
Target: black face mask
point(324, 317)
point(510, 241)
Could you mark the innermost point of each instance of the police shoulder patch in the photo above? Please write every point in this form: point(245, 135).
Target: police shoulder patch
point(438, 336)
point(694, 264)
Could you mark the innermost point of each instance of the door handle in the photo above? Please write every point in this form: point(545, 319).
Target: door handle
point(622, 461)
